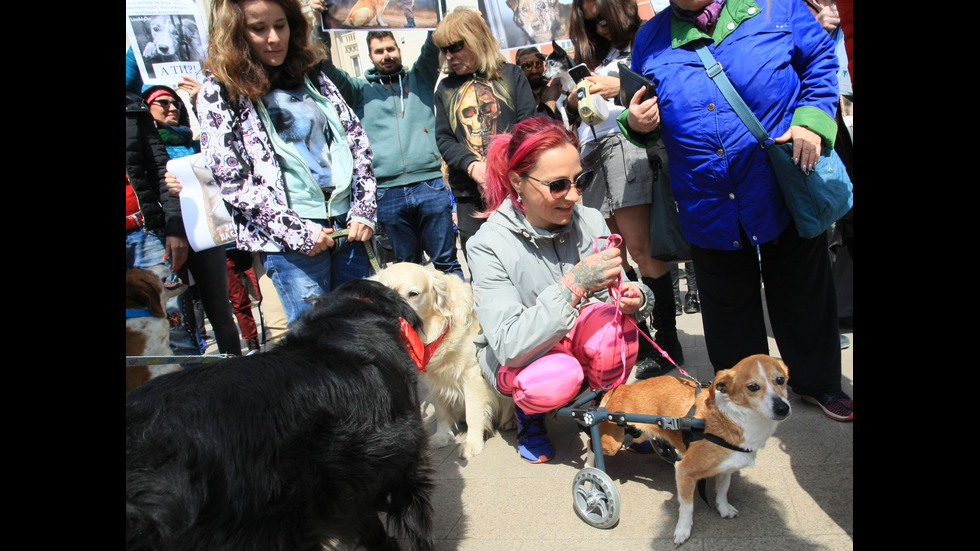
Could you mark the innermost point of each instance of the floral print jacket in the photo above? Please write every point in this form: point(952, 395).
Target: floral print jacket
point(239, 152)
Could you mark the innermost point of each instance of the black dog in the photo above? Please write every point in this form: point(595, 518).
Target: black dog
point(287, 449)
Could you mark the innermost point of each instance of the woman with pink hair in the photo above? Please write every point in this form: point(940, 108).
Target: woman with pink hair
point(548, 282)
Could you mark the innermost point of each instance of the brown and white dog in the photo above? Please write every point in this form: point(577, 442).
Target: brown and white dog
point(363, 11)
point(453, 376)
point(742, 406)
point(541, 20)
point(147, 326)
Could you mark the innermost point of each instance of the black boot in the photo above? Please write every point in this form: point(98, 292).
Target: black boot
point(665, 324)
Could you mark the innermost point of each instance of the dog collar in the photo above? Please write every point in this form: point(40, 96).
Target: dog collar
point(420, 353)
point(138, 313)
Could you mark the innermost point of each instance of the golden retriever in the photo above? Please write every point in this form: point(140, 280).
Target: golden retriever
point(453, 377)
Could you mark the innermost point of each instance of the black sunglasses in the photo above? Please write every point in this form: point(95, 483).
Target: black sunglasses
point(453, 48)
point(166, 103)
point(595, 21)
point(561, 186)
point(527, 65)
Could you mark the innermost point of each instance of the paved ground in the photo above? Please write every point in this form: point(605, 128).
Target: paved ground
point(799, 494)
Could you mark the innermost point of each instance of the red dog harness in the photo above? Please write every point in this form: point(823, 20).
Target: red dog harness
point(420, 353)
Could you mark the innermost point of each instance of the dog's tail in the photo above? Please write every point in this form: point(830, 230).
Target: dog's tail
point(409, 509)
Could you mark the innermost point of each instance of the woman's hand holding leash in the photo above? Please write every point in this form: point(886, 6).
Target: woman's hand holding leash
point(595, 271)
point(630, 299)
point(359, 232)
point(323, 241)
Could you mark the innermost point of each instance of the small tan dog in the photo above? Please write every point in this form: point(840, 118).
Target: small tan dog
point(147, 326)
point(453, 376)
point(363, 11)
point(742, 406)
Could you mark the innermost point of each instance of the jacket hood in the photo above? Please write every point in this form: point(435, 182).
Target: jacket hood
point(184, 118)
point(373, 76)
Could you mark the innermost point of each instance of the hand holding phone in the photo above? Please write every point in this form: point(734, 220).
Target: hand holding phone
point(579, 72)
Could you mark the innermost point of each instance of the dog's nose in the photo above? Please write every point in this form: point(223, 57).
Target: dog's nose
point(780, 407)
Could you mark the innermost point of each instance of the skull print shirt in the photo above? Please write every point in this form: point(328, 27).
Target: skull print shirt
point(470, 110)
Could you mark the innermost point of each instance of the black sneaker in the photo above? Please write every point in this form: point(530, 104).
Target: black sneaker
point(650, 367)
point(692, 305)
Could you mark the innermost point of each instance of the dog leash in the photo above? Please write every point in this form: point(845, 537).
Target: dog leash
point(368, 246)
point(159, 360)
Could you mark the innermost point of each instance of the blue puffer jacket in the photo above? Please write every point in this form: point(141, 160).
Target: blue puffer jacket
point(783, 65)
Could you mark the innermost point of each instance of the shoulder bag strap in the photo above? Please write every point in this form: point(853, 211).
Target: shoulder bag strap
point(717, 74)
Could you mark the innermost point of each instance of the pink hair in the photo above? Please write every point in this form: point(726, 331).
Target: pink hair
point(518, 152)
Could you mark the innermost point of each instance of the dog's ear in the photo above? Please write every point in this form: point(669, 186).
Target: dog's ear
point(141, 292)
point(442, 302)
point(512, 4)
point(723, 380)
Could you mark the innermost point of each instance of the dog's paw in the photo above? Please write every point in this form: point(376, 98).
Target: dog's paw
point(441, 439)
point(471, 449)
point(681, 534)
point(726, 510)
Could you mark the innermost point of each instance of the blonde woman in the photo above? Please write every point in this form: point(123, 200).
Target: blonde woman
point(289, 154)
point(482, 96)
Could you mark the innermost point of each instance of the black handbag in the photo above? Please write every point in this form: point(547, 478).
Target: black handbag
point(815, 199)
point(667, 242)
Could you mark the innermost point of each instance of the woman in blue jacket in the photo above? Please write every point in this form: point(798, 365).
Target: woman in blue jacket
point(782, 63)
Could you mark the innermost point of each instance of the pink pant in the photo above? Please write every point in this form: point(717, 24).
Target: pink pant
point(600, 348)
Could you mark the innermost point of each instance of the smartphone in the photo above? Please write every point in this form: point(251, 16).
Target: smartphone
point(579, 72)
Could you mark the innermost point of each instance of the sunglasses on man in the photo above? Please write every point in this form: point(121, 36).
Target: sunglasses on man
point(561, 186)
point(528, 65)
point(453, 48)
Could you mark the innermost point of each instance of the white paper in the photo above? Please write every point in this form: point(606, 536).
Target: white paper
point(206, 218)
point(169, 39)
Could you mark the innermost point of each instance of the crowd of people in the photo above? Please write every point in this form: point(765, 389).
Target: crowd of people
point(551, 214)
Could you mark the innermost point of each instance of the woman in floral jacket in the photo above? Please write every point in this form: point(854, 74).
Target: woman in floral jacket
point(289, 155)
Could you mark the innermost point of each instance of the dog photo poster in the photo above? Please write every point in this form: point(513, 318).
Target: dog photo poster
point(381, 15)
point(521, 23)
point(168, 37)
point(206, 217)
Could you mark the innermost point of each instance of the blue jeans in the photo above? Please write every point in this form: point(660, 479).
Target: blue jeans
point(300, 279)
point(143, 250)
point(418, 219)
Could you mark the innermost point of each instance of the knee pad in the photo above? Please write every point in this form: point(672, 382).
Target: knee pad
point(547, 383)
point(605, 343)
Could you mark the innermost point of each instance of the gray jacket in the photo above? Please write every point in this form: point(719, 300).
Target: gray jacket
point(516, 275)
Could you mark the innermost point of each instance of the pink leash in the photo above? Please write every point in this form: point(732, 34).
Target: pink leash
point(615, 291)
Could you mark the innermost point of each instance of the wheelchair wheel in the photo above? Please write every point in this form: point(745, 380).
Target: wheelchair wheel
point(596, 498)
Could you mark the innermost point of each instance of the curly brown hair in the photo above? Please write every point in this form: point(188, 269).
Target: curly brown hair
point(230, 60)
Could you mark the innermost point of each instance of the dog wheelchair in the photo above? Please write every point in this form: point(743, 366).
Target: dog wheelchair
point(595, 496)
